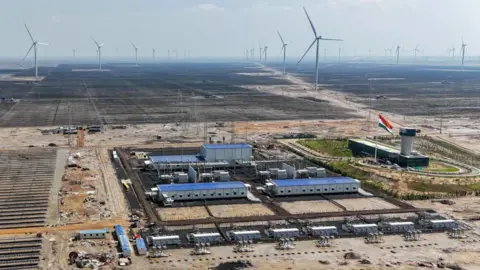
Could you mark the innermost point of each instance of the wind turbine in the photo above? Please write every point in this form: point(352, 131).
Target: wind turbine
point(99, 51)
point(265, 53)
point(284, 49)
point(339, 53)
point(462, 50)
point(153, 54)
point(252, 52)
point(260, 49)
point(136, 53)
point(398, 53)
point(73, 52)
point(316, 40)
point(415, 51)
point(35, 51)
point(453, 51)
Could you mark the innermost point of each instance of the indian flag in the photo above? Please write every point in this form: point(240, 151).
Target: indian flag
point(383, 123)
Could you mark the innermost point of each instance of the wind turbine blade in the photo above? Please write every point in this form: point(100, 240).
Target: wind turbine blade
point(44, 44)
point(282, 48)
point(280, 37)
point(133, 45)
point(28, 51)
point(332, 39)
point(95, 42)
point(311, 24)
point(307, 51)
point(100, 45)
point(30, 34)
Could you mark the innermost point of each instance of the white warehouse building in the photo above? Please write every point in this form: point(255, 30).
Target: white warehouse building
point(200, 191)
point(226, 152)
point(313, 186)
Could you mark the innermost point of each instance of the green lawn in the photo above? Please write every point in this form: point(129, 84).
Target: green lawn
point(336, 148)
point(436, 166)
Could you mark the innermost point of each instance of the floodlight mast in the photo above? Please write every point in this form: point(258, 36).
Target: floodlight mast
point(316, 40)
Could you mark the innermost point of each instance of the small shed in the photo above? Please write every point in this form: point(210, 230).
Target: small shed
point(141, 246)
point(93, 234)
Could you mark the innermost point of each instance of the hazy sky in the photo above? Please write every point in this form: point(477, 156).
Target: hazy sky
point(227, 28)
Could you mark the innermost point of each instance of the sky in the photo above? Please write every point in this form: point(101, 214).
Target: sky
point(220, 28)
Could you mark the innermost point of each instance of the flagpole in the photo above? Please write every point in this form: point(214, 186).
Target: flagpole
point(376, 146)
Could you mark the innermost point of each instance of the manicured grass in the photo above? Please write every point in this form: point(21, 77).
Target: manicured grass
point(336, 148)
point(436, 166)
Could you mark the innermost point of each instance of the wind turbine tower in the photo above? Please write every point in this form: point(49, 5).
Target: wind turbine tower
point(398, 53)
point(136, 53)
point(284, 49)
point(35, 51)
point(462, 50)
point(265, 53)
point(153, 54)
point(99, 52)
point(74, 52)
point(316, 40)
point(415, 51)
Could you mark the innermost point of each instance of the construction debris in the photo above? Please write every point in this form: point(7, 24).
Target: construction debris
point(90, 260)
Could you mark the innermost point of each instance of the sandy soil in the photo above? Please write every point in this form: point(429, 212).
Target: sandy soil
point(239, 210)
point(95, 176)
point(365, 204)
point(433, 248)
point(301, 207)
point(183, 213)
point(466, 209)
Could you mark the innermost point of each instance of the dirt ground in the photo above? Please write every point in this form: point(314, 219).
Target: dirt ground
point(90, 191)
point(301, 207)
point(365, 204)
point(240, 210)
point(183, 213)
point(466, 209)
point(433, 248)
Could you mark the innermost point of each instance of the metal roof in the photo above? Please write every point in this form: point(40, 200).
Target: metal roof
point(320, 228)
point(377, 145)
point(285, 230)
point(245, 232)
point(227, 146)
point(176, 159)
point(403, 223)
point(442, 220)
point(200, 186)
point(205, 235)
point(165, 237)
point(314, 181)
point(140, 243)
point(364, 225)
point(93, 231)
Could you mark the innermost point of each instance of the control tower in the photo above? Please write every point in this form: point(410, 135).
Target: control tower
point(407, 135)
